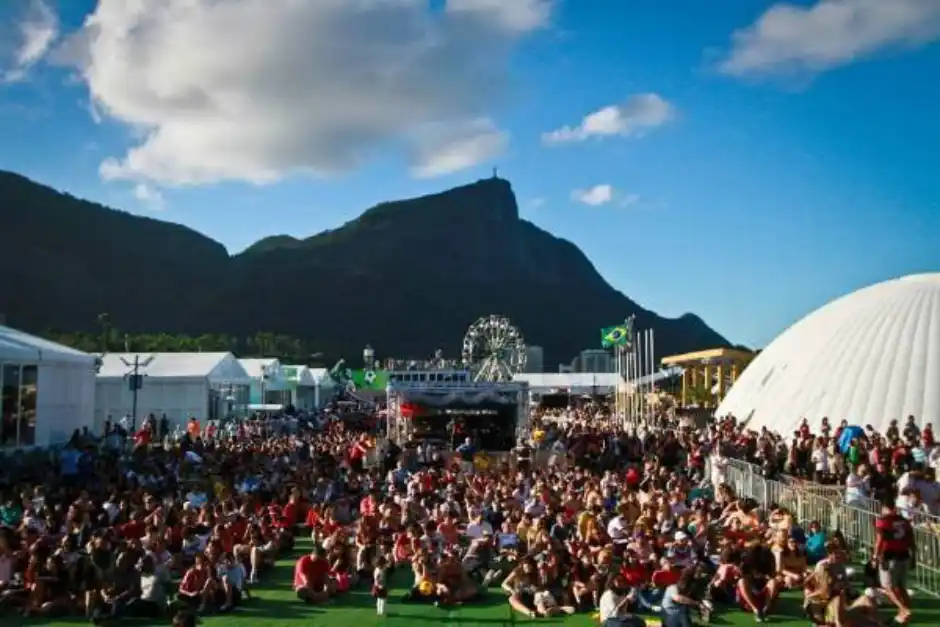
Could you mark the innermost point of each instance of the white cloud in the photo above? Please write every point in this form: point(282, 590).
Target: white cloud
point(455, 147)
point(149, 196)
point(256, 90)
point(536, 203)
point(636, 115)
point(37, 31)
point(789, 38)
point(594, 196)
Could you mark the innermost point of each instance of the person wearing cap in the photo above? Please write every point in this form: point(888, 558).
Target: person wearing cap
point(681, 552)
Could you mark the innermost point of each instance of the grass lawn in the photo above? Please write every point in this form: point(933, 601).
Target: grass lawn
point(275, 605)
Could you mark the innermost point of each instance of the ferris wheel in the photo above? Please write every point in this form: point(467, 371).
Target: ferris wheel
point(493, 349)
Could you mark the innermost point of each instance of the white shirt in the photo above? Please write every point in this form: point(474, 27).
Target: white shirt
point(617, 528)
point(478, 530)
point(856, 488)
point(820, 458)
point(608, 606)
point(112, 510)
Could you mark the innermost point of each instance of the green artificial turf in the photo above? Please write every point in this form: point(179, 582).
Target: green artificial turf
point(274, 605)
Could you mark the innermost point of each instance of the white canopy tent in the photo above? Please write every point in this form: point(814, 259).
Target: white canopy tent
point(325, 385)
point(268, 383)
point(47, 390)
point(303, 386)
point(205, 386)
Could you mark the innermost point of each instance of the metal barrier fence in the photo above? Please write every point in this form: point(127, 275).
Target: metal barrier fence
point(836, 493)
point(857, 524)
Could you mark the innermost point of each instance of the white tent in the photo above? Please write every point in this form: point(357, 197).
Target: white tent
point(303, 387)
point(179, 385)
point(570, 382)
point(268, 384)
point(47, 390)
point(325, 385)
point(869, 357)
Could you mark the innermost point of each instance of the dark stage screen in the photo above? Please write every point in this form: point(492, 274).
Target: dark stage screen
point(491, 425)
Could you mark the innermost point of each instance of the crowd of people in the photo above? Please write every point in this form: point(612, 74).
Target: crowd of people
point(581, 518)
point(897, 467)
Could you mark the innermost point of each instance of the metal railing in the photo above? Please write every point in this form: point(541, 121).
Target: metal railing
point(857, 524)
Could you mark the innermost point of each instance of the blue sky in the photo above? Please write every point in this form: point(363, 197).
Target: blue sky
point(750, 162)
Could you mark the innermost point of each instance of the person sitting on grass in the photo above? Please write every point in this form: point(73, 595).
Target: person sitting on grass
point(521, 586)
point(312, 582)
point(757, 589)
point(197, 589)
point(790, 561)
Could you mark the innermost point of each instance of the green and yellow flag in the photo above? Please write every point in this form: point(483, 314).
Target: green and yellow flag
point(619, 335)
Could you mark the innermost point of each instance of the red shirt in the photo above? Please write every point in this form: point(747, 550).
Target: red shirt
point(310, 571)
point(895, 533)
point(358, 451)
point(238, 528)
point(290, 514)
point(633, 477)
point(636, 574)
point(367, 506)
point(193, 581)
point(133, 530)
point(142, 437)
point(664, 578)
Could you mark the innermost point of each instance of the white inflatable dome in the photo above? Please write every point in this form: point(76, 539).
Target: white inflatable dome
point(869, 357)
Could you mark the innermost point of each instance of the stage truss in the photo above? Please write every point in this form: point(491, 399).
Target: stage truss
point(443, 392)
point(493, 349)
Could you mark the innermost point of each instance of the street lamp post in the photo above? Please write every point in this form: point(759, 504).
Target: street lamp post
point(135, 381)
point(264, 380)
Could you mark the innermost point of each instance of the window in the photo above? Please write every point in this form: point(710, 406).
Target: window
point(27, 422)
point(214, 402)
point(9, 404)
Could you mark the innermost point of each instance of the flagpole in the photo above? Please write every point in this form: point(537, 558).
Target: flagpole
point(641, 357)
point(645, 357)
point(653, 356)
point(635, 381)
point(618, 406)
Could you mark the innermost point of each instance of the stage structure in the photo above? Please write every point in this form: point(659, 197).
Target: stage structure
point(493, 413)
point(493, 349)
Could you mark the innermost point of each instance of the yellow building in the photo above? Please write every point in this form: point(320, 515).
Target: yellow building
point(708, 374)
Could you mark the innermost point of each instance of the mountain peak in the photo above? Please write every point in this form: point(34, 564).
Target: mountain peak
point(490, 200)
point(406, 277)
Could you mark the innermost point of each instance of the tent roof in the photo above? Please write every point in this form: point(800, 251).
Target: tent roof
point(255, 366)
point(17, 346)
point(298, 374)
point(568, 379)
point(164, 365)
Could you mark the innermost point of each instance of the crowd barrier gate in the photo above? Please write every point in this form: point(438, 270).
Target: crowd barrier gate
point(813, 502)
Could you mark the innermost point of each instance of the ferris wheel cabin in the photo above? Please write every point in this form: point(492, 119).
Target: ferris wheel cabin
point(494, 414)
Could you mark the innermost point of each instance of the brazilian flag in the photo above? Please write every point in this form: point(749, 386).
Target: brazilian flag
point(619, 335)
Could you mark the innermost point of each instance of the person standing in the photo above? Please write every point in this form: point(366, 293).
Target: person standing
point(466, 451)
point(895, 556)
